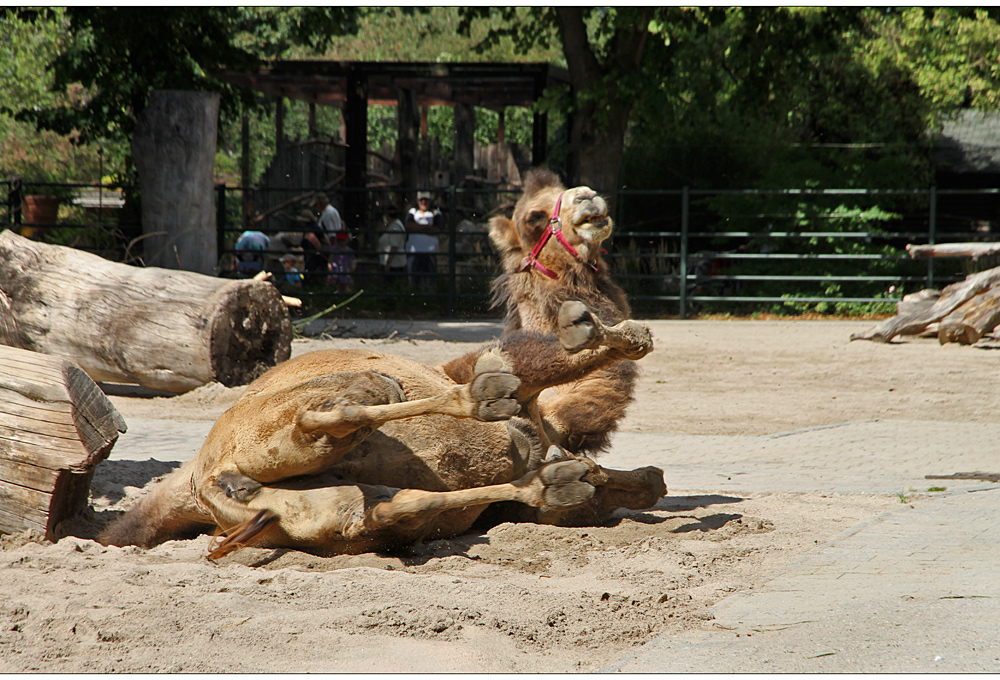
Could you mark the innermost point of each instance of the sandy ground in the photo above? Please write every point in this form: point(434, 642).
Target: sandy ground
point(517, 598)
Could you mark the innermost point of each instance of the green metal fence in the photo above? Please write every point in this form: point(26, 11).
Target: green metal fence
point(676, 252)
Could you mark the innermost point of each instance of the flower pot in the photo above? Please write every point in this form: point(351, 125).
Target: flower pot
point(39, 210)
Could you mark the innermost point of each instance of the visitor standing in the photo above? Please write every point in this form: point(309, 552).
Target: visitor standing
point(423, 224)
point(329, 219)
point(392, 244)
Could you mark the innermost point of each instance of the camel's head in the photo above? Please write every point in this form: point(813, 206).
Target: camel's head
point(583, 221)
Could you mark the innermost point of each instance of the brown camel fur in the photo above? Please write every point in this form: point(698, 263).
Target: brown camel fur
point(348, 451)
point(584, 413)
point(351, 451)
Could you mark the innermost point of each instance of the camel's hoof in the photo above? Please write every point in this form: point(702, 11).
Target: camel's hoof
point(636, 339)
point(492, 361)
point(493, 394)
point(563, 485)
point(556, 453)
point(238, 486)
point(578, 329)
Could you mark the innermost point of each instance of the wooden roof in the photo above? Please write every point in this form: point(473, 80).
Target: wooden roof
point(486, 85)
point(970, 142)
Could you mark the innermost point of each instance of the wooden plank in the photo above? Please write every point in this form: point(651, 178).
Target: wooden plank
point(15, 518)
point(55, 426)
point(22, 508)
point(61, 426)
point(42, 455)
point(26, 474)
point(44, 413)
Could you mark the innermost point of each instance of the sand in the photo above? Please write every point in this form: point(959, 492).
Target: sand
point(517, 598)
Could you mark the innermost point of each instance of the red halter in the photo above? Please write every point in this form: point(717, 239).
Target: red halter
point(554, 228)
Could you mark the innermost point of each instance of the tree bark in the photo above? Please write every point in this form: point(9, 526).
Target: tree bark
point(55, 426)
point(174, 150)
point(916, 321)
point(163, 329)
point(971, 320)
point(973, 250)
point(597, 141)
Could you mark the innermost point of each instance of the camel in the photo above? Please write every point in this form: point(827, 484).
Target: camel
point(349, 451)
point(550, 252)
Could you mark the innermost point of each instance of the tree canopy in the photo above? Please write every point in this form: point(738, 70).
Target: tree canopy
point(120, 54)
point(661, 96)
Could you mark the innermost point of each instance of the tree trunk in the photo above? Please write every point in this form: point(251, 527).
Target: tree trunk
point(55, 426)
point(971, 320)
point(917, 320)
point(597, 136)
point(163, 329)
point(174, 150)
point(973, 250)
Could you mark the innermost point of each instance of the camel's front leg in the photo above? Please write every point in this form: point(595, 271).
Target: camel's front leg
point(579, 329)
point(488, 397)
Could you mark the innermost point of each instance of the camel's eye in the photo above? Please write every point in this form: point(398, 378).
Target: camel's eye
point(536, 217)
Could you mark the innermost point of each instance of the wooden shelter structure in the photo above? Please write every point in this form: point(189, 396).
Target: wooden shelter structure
point(412, 87)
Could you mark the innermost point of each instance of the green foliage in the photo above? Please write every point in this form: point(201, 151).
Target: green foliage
point(952, 52)
point(120, 54)
point(26, 47)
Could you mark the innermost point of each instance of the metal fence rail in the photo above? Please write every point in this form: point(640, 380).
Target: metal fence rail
point(718, 249)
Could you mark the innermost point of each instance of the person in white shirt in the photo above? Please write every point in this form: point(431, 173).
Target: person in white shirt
point(423, 224)
point(392, 244)
point(329, 218)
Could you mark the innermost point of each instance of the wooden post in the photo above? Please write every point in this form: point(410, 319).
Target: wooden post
point(408, 124)
point(174, 149)
point(465, 125)
point(539, 129)
point(356, 156)
point(55, 426)
point(245, 180)
point(163, 329)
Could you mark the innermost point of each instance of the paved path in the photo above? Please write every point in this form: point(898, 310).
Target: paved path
point(914, 590)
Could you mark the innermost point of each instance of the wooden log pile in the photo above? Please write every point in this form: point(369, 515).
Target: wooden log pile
point(963, 312)
point(165, 329)
point(55, 426)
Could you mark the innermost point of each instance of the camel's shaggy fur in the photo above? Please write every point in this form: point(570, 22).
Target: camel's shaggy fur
point(350, 451)
point(583, 414)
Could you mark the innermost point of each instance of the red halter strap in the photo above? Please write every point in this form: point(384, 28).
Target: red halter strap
point(554, 228)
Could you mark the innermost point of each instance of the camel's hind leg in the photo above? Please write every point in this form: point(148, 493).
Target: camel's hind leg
point(613, 489)
point(633, 489)
point(352, 518)
point(489, 397)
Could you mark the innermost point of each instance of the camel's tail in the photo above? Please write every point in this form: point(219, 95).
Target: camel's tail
point(168, 511)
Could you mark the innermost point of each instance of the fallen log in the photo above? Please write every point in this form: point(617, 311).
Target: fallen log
point(919, 302)
point(915, 322)
point(55, 426)
point(973, 250)
point(972, 319)
point(164, 329)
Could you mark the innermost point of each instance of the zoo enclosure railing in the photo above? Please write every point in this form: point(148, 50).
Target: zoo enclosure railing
point(719, 250)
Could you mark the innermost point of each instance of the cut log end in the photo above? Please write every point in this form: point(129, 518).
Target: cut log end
point(250, 329)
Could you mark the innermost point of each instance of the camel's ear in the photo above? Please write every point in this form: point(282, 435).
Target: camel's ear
point(504, 234)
